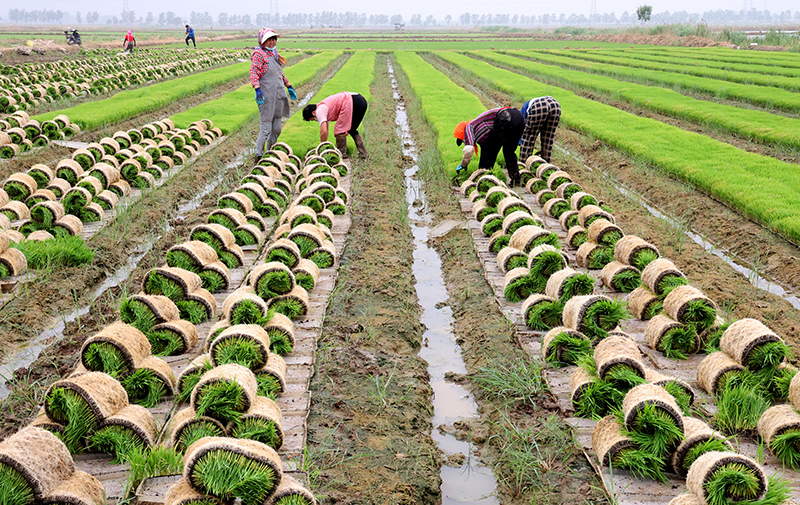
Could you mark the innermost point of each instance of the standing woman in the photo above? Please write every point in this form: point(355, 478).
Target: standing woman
point(129, 42)
point(266, 76)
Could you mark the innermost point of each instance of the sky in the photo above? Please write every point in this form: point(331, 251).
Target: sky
point(437, 8)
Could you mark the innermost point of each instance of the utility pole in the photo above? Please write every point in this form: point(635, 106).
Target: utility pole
point(125, 6)
point(592, 11)
point(274, 15)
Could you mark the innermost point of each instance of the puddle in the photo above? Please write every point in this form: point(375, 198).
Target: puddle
point(766, 284)
point(471, 482)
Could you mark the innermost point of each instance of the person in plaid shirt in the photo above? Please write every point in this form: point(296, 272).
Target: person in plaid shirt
point(493, 130)
point(541, 119)
point(266, 76)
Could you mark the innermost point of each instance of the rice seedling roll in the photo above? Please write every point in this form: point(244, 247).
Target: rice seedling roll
point(85, 158)
point(152, 380)
point(593, 315)
point(618, 351)
point(243, 344)
point(608, 440)
point(590, 213)
point(171, 338)
point(486, 182)
point(481, 209)
point(15, 210)
point(513, 221)
point(33, 462)
point(535, 185)
point(190, 375)
point(725, 477)
point(198, 306)
point(181, 493)
point(193, 256)
point(132, 427)
point(68, 225)
point(498, 241)
point(528, 237)
point(510, 258)
point(306, 274)
point(491, 223)
point(566, 190)
point(224, 392)
point(129, 170)
point(533, 162)
point(174, 283)
point(674, 339)
point(281, 333)
point(284, 251)
point(291, 492)
point(604, 232)
point(231, 468)
point(467, 187)
point(308, 237)
point(779, 428)
point(682, 392)
point(215, 235)
point(512, 204)
point(40, 173)
point(12, 263)
point(593, 256)
point(555, 207)
point(115, 350)
point(144, 180)
point(569, 219)
point(643, 304)
point(20, 186)
point(690, 306)
point(46, 213)
point(244, 306)
point(661, 276)
point(238, 201)
point(105, 173)
point(271, 279)
point(518, 285)
point(545, 195)
point(544, 170)
point(557, 178)
point(576, 236)
point(297, 215)
point(714, 370)
point(215, 276)
point(566, 283)
point(80, 488)
point(699, 438)
point(324, 256)
point(186, 427)
point(271, 377)
point(228, 217)
point(326, 218)
point(562, 345)
point(145, 311)
point(541, 312)
point(293, 304)
point(120, 188)
point(262, 422)
point(106, 199)
point(618, 276)
point(752, 344)
point(651, 411)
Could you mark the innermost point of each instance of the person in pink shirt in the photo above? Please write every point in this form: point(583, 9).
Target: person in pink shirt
point(347, 109)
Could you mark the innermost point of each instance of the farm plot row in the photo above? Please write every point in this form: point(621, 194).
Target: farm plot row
point(761, 127)
point(761, 96)
point(686, 155)
point(777, 59)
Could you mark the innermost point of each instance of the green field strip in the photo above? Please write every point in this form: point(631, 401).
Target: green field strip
point(760, 126)
point(356, 75)
point(134, 102)
point(232, 110)
point(774, 81)
point(444, 104)
point(758, 95)
point(762, 188)
point(690, 59)
point(390, 43)
point(770, 58)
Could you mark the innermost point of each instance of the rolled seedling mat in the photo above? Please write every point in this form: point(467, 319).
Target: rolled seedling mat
point(543, 196)
point(244, 306)
point(555, 207)
point(178, 335)
point(115, 350)
point(576, 236)
point(649, 394)
point(534, 185)
point(604, 232)
point(687, 499)
point(689, 305)
point(293, 304)
point(529, 236)
point(243, 344)
point(228, 217)
point(666, 381)
point(137, 421)
point(58, 187)
point(533, 161)
point(713, 369)
point(589, 213)
point(120, 188)
point(92, 184)
point(567, 282)
point(317, 203)
point(107, 199)
point(308, 237)
point(779, 428)
point(544, 260)
point(98, 394)
point(198, 306)
point(174, 283)
point(656, 272)
point(541, 312)
point(192, 255)
point(608, 440)
point(284, 251)
point(592, 315)
point(39, 235)
point(42, 174)
point(510, 258)
point(544, 170)
point(85, 158)
point(297, 215)
point(245, 462)
point(566, 190)
point(620, 277)
point(271, 377)
point(564, 345)
point(215, 235)
point(271, 279)
point(323, 256)
point(129, 170)
point(5, 223)
point(616, 350)
point(557, 178)
point(254, 192)
point(306, 274)
point(144, 311)
point(69, 224)
point(80, 488)
point(37, 462)
point(593, 256)
point(263, 422)
point(513, 221)
point(579, 380)
point(20, 186)
point(467, 187)
point(486, 182)
point(697, 437)
point(322, 185)
point(46, 213)
point(491, 223)
point(186, 427)
point(105, 173)
point(671, 337)
point(181, 493)
point(517, 284)
point(498, 241)
point(643, 304)
point(281, 333)
point(236, 201)
point(746, 339)
point(706, 468)
point(190, 375)
point(15, 236)
point(512, 204)
point(92, 212)
point(76, 199)
point(16, 210)
point(152, 380)
point(224, 392)
point(291, 491)
point(496, 195)
point(326, 217)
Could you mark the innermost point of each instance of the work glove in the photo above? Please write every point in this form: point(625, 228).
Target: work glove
point(292, 93)
point(459, 168)
point(259, 96)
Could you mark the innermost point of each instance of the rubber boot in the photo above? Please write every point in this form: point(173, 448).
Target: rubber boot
point(341, 144)
point(362, 150)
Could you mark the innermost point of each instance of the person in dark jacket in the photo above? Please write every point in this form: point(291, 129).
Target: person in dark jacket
point(541, 120)
point(190, 35)
point(492, 130)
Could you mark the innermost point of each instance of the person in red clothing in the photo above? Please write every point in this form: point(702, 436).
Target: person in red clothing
point(347, 109)
point(266, 76)
point(493, 130)
point(129, 42)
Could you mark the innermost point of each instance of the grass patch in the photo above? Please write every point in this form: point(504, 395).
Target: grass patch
point(62, 250)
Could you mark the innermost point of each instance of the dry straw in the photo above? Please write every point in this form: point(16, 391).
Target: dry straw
point(609, 273)
point(702, 473)
point(713, 369)
point(181, 493)
point(80, 488)
point(616, 350)
point(642, 303)
point(579, 380)
point(695, 432)
point(794, 391)
point(687, 499)
point(103, 394)
point(608, 440)
point(39, 457)
point(656, 271)
point(743, 337)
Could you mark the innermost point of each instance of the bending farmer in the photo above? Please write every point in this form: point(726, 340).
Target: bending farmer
point(266, 76)
point(492, 130)
point(348, 110)
point(190, 35)
point(541, 118)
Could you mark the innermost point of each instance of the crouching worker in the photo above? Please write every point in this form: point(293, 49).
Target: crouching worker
point(541, 120)
point(493, 130)
point(348, 110)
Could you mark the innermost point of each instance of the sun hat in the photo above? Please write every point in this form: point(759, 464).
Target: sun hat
point(266, 33)
point(458, 133)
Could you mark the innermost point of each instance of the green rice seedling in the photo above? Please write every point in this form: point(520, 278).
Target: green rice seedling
point(268, 385)
point(157, 284)
point(4, 272)
point(544, 315)
point(189, 380)
point(164, 342)
point(244, 237)
point(68, 408)
point(61, 251)
point(144, 387)
point(193, 311)
point(289, 307)
point(545, 196)
point(597, 400)
point(739, 407)
point(14, 489)
point(679, 342)
point(731, 483)
point(41, 178)
point(700, 314)
point(641, 463)
point(337, 208)
point(627, 280)
point(537, 185)
point(305, 244)
point(322, 258)
point(521, 288)
point(495, 197)
point(259, 429)
point(786, 447)
point(140, 183)
point(239, 350)
point(492, 225)
point(700, 448)
point(280, 343)
point(210, 239)
point(572, 349)
point(711, 338)
point(559, 208)
point(222, 400)
point(600, 257)
point(670, 282)
point(277, 196)
point(274, 283)
point(179, 259)
point(116, 440)
point(547, 172)
point(498, 244)
point(105, 357)
point(153, 462)
point(623, 378)
point(681, 396)
point(776, 382)
point(603, 316)
point(249, 312)
point(517, 225)
point(199, 428)
point(576, 285)
point(768, 355)
point(223, 220)
point(229, 259)
point(138, 315)
point(577, 239)
point(331, 157)
point(653, 430)
point(85, 160)
point(87, 215)
point(610, 238)
point(213, 281)
point(228, 475)
point(16, 190)
point(304, 280)
point(341, 194)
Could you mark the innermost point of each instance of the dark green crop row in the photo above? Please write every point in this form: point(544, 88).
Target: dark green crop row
point(760, 126)
point(760, 187)
point(771, 58)
point(758, 95)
